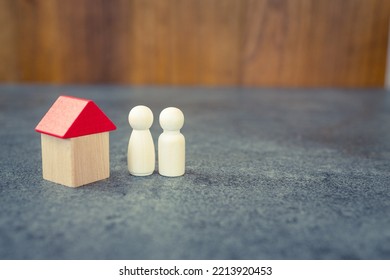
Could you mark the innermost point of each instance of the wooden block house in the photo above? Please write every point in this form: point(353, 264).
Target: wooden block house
point(75, 142)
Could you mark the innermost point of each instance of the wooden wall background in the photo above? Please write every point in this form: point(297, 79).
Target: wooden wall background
point(186, 42)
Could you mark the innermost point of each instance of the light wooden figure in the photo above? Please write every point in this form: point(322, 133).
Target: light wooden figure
point(141, 158)
point(75, 142)
point(171, 143)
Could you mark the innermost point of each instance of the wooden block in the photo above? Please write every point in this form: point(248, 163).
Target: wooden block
point(75, 161)
point(72, 117)
point(75, 142)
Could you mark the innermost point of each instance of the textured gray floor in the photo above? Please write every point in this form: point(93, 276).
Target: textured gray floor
point(271, 174)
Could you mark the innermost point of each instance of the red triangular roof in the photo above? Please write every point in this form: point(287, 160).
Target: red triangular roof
point(72, 117)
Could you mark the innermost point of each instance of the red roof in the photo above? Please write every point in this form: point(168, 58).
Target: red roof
point(72, 117)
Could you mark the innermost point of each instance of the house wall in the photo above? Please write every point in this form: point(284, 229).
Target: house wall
point(57, 160)
point(76, 161)
point(192, 42)
point(91, 158)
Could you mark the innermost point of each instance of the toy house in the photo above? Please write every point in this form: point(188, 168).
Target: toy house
point(75, 142)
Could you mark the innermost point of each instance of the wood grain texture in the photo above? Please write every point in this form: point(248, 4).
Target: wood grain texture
point(8, 71)
point(191, 42)
point(76, 161)
point(331, 43)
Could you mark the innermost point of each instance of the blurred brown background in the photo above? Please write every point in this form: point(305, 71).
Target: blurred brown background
point(195, 42)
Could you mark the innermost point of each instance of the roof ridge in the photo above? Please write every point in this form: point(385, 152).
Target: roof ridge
point(72, 117)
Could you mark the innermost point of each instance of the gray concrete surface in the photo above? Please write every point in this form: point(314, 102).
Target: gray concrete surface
point(271, 174)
